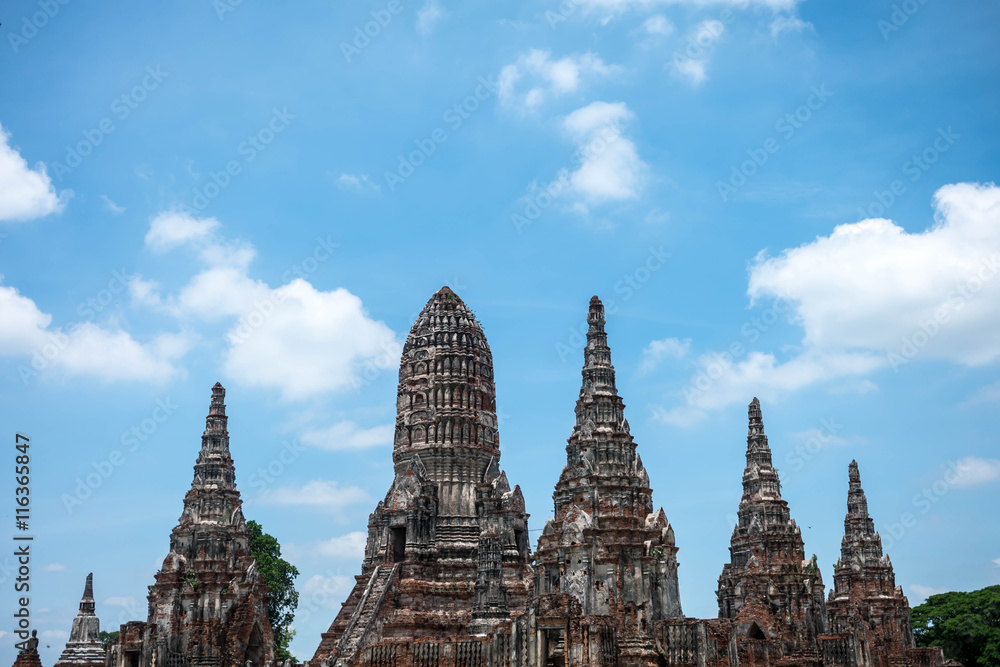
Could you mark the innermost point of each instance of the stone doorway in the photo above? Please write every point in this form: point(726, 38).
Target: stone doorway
point(397, 543)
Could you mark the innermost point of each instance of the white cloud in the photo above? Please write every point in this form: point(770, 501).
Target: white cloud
point(347, 435)
point(658, 350)
point(658, 25)
point(609, 165)
point(356, 182)
point(86, 349)
point(702, 39)
point(351, 545)
point(111, 206)
point(535, 78)
point(996, 561)
point(54, 567)
point(921, 593)
point(973, 471)
point(783, 23)
point(428, 16)
point(872, 285)
point(25, 193)
point(173, 228)
point(721, 382)
point(870, 296)
point(329, 496)
point(294, 338)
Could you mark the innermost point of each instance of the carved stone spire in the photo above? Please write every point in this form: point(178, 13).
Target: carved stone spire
point(604, 527)
point(84, 648)
point(864, 582)
point(767, 564)
point(450, 518)
point(209, 568)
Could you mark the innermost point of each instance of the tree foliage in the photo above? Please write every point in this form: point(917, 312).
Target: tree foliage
point(107, 638)
point(965, 625)
point(279, 575)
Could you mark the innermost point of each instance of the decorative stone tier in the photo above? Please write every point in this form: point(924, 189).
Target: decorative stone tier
point(84, 648)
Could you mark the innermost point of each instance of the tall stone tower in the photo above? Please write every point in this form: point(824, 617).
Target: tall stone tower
point(865, 598)
point(209, 604)
point(84, 647)
point(606, 547)
point(447, 553)
point(769, 588)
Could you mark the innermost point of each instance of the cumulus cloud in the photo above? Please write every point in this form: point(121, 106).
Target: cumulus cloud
point(348, 435)
point(721, 381)
point(351, 545)
point(171, 229)
point(692, 63)
point(295, 338)
point(84, 349)
point(609, 165)
point(872, 285)
point(54, 567)
point(535, 78)
point(659, 350)
point(870, 296)
point(974, 471)
point(25, 193)
point(321, 494)
point(429, 16)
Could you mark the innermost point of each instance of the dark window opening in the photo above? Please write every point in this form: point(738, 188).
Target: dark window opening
point(755, 632)
point(519, 538)
point(132, 659)
point(398, 543)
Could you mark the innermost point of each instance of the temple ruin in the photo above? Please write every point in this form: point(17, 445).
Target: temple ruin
point(449, 578)
point(84, 648)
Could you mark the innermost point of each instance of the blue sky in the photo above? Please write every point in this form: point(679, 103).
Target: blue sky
point(774, 198)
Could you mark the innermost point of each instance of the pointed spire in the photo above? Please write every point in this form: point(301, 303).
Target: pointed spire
point(216, 422)
point(857, 503)
point(598, 373)
point(87, 602)
point(759, 477)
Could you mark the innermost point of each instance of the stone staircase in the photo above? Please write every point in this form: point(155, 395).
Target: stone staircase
point(364, 613)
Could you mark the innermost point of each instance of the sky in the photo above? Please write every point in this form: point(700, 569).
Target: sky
point(786, 199)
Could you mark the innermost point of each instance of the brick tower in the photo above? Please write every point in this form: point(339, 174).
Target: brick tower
point(447, 555)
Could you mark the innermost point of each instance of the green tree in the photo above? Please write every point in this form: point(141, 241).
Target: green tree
point(965, 625)
point(107, 638)
point(279, 575)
